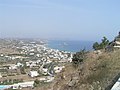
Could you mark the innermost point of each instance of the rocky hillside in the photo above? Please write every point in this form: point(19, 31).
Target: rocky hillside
point(97, 72)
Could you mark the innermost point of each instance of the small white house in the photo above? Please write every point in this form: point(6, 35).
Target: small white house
point(0, 75)
point(27, 64)
point(116, 46)
point(117, 42)
point(13, 66)
point(1, 55)
point(49, 79)
point(45, 71)
point(33, 65)
point(48, 61)
point(58, 69)
point(33, 73)
point(19, 64)
point(69, 59)
point(42, 79)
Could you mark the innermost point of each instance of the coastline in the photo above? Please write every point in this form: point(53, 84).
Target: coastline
point(70, 46)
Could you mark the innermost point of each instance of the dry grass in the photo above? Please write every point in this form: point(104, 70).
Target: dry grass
point(95, 73)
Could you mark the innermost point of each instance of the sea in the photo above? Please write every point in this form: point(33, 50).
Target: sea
point(71, 46)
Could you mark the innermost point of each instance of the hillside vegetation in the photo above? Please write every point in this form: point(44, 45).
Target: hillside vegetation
point(96, 72)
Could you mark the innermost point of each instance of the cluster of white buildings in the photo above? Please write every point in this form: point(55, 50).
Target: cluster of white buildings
point(15, 66)
point(45, 56)
point(39, 51)
point(58, 69)
point(42, 51)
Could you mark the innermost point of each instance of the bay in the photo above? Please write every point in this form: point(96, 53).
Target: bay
point(72, 46)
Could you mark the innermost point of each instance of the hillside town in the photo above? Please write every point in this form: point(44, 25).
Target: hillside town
point(22, 62)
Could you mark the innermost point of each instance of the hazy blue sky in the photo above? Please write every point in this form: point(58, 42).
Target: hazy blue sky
point(60, 19)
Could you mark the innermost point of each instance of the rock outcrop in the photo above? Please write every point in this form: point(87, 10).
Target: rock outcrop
point(115, 44)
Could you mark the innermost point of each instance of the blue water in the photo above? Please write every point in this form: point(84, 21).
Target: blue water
point(72, 46)
point(2, 87)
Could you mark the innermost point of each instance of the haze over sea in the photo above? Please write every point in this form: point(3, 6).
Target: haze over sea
point(72, 46)
point(60, 19)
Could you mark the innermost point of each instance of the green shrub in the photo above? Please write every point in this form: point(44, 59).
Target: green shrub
point(36, 83)
point(79, 57)
point(22, 70)
point(102, 45)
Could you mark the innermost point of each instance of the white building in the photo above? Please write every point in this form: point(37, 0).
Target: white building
point(58, 69)
point(13, 66)
point(27, 64)
point(49, 79)
point(33, 73)
point(19, 64)
point(0, 75)
point(23, 85)
point(44, 71)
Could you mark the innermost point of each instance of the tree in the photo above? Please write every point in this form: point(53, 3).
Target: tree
point(96, 46)
point(79, 57)
point(102, 45)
